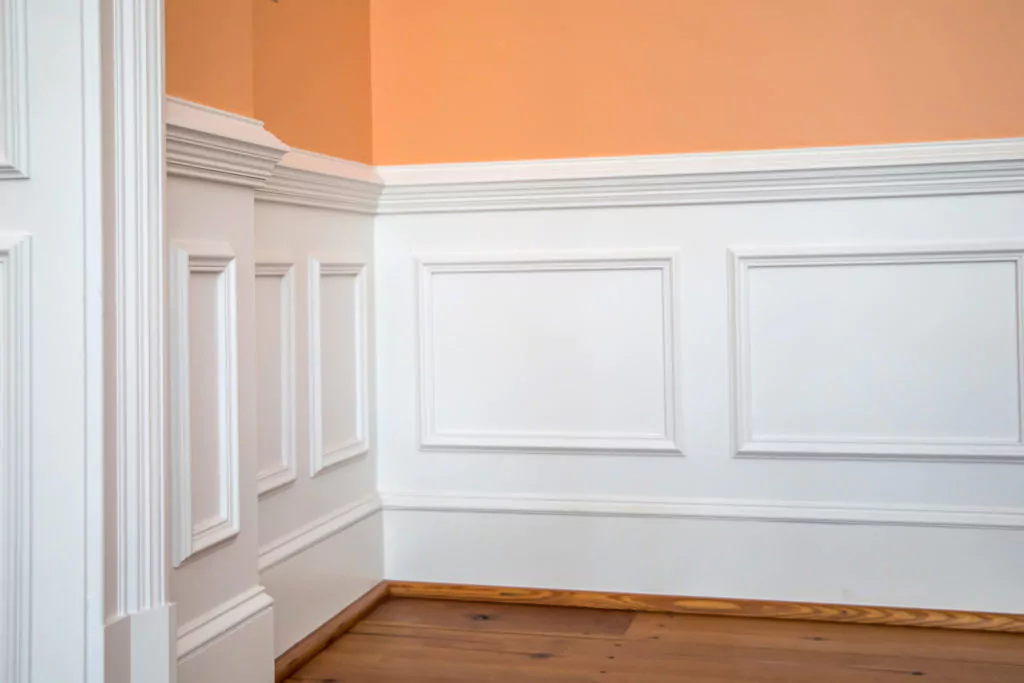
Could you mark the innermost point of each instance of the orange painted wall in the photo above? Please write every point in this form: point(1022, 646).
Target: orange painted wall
point(209, 52)
point(312, 74)
point(475, 80)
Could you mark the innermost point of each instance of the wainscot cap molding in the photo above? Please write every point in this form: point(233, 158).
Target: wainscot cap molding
point(211, 144)
point(919, 169)
point(310, 179)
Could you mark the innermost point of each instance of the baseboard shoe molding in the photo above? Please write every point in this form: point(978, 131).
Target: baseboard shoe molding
point(1007, 519)
point(300, 654)
point(222, 620)
point(761, 609)
point(317, 531)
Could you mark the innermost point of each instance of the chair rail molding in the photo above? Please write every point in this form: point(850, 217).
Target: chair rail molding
point(309, 179)
point(211, 144)
point(901, 170)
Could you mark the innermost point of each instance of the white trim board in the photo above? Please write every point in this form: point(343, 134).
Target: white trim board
point(284, 548)
point(708, 509)
point(222, 620)
point(309, 179)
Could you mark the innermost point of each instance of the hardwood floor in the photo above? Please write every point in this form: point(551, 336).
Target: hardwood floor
point(430, 641)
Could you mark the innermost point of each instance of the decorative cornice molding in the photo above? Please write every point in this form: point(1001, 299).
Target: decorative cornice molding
point(210, 144)
point(711, 509)
point(305, 537)
point(309, 179)
point(222, 619)
point(934, 168)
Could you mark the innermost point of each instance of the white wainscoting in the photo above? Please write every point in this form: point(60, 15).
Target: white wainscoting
point(339, 414)
point(13, 90)
point(568, 352)
point(204, 396)
point(275, 371)
point(879, 352)
point(15, 457)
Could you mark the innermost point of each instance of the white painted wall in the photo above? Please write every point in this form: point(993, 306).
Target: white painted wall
point(794, 400)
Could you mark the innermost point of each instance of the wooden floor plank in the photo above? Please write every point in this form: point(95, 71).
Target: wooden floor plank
point(489, 617)
point(425, 641)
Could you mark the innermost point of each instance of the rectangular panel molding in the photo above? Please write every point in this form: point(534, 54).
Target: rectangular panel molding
point(191, 536)
point(13, 91)
point(549, 352)
point(15, 457)
point(342, 364)
point(890, 353)
point(283, 471)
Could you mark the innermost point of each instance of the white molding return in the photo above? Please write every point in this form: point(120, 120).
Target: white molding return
point(15, 457)
point(709, 509)
point(211, 144)
point(309, 179)
point(902, 170)
point(748, 444)
point(664, 262)
point(222, 619)
point(317, 531)
point(283, 269)
point(192, 536)
point(13, 90)
point(323, 456)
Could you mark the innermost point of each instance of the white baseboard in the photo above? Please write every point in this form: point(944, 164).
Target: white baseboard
point(139, 647)
point(899, 559)
point(305, 537)
point(316, 583)
point(222, 620)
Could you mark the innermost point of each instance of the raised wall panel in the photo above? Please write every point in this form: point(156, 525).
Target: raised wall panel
point(275, 372)
point(15, 457)
point(879, 353)
point(549, 352)
point(204, 396)
point(339, 427)
point(13, 91)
